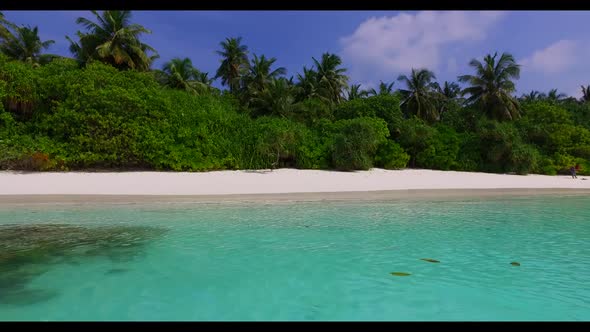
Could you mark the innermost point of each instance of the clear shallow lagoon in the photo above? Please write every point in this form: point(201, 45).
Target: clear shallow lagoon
point(298, 261)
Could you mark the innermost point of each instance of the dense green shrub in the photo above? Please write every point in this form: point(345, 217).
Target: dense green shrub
point(312, 110)
point(276, 142)
point(461, 119)
point(19, 88)
point(504, 149)
point(560, 163)
point(385, 107)
point(469, 157)
point(356, 143)
point(430, 147)
point(524, 159)
point(551, 128)
point(62, 116)
point(416, 136)
point(580, 112)
point(441, 150)
point(391, 155)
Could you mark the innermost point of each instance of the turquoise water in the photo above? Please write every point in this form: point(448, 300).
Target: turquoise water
point(299, 261)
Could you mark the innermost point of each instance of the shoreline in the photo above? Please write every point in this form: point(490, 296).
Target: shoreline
point(277, 185)
point(356, 196)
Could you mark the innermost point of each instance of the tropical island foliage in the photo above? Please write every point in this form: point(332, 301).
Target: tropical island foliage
point(108, 108)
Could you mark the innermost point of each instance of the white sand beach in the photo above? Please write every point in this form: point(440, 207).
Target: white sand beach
point(282, 181)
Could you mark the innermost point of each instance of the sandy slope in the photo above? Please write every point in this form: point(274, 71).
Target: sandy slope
point(267, 182)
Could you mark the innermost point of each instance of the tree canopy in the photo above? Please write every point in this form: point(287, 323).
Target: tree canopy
point(109, 107)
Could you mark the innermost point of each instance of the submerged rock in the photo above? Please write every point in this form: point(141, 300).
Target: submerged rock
point(116, 271)
point(29, 250)
point(28, 243)
point(400, 274)
point(22, 297)
point(515, 263)
point(430, 260)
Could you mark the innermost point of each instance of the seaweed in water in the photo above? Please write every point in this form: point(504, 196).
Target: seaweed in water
point(430, 260)
point(27, 251)
point(116, 271)
point(24, 296)
point(400, 274)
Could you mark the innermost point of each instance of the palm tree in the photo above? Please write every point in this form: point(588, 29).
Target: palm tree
point(585, 94)
point(532, 96)
point(204, 78)
point(180, 74)
point(291, 81)
point(82, 54)
point(26, 45)
point(151, 57)
point(449, 90)
point(384, 89)
point(331, 80)
point(420, 97)
point(449, 93)
point(355, 92)
point(492, 85)
point(113, 40)
point(307, 85)
point(260, 73)
point(234, 63)
point(554, 96)
point(5, 27)
point(276, 99)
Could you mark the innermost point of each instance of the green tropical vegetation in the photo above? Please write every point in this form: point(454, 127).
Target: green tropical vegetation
point(106, 107)
point(114, 40)
point(180, 74)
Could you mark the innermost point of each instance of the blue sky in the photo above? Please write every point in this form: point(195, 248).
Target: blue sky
point(552, 46)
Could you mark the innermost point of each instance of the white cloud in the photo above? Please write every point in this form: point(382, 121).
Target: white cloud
point(555, 58)
point(395, 44)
